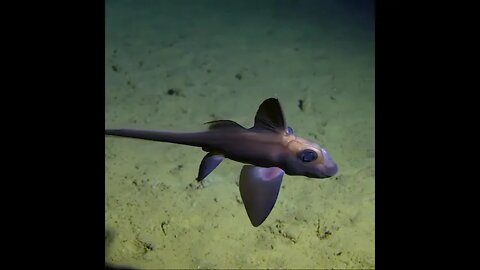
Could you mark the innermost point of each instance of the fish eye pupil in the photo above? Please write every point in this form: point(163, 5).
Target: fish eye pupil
point(308, 155)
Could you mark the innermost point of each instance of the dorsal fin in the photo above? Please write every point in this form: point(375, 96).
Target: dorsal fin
point(270, 116)
point(223, 124)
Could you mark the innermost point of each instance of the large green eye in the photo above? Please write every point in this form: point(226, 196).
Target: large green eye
point(308, 155)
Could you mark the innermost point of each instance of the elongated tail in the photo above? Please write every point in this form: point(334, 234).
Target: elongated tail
point(192, 139)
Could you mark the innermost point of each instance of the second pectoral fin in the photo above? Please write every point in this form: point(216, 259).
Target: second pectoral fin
point(259, 189)
point(208, 164)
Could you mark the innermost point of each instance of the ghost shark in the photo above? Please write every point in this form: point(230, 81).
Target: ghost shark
point(269, 149)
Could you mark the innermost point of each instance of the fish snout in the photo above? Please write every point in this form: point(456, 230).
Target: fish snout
point(329, 167)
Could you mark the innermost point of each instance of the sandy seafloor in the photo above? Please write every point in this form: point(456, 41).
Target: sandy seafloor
point(222, 59)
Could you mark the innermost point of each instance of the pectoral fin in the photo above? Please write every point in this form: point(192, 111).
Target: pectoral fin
point(208, 164)
point(259, 189)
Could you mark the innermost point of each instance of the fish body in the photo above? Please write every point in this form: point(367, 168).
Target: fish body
point(269, 148)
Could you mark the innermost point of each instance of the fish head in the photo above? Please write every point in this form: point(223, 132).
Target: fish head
point(307, 158)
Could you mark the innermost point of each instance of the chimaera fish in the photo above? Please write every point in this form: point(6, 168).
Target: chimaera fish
point(269, 148)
